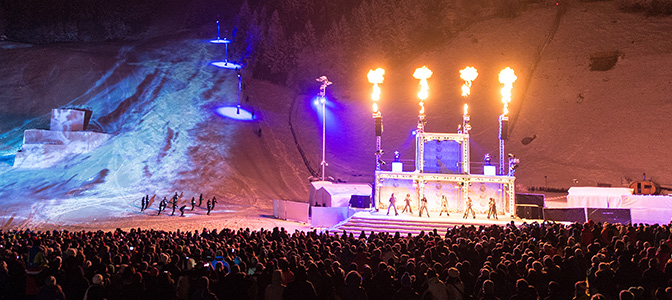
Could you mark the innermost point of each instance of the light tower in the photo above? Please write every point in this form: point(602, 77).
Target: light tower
point(224, 41)
point(323, 90)
point(376, 77)
point(507, 77)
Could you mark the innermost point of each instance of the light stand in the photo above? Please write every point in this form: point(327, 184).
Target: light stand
point(503, 121)
point(239, 89)
point(376, 77)
point(506, 77)
point(323, 90)
point(421, 74)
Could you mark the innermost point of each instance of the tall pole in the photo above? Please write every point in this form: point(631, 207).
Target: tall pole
point(239, 89)
point(376, 77)
point(218, 27)
point(468, 74)
point(324, 137)
point(323, 91)
point(506, 77)
point(503, 120)
point(421, 74)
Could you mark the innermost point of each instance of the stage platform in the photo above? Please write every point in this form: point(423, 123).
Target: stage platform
point(405, 223)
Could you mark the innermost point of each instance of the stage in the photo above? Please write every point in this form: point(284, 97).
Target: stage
point(405, 223)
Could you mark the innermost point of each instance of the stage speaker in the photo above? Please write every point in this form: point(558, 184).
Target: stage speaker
point(534, 199)
point(505, 129)
point(611, 215)
point(529, 211)
point(360, 201)
point(379, 126)
point(565, 214)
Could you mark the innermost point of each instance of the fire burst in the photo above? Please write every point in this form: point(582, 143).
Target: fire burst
point(423, 74)
point(507, 78)
point(469, 74)
point(376, 77)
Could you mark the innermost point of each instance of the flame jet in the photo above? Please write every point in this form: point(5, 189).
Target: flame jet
point(507, 77)
point(376, 77)
point(468, 74)
point(423, 74)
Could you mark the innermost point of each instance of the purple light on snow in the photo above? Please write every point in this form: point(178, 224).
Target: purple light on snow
point(220, 41)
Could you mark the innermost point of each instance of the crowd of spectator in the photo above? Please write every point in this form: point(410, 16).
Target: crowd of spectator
point(532, 261)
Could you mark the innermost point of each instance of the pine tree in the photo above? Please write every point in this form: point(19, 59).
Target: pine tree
point(243, 21)
point(275, 45)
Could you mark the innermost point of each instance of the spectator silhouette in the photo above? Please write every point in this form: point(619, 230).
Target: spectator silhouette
point(51, 290)
point(275, 290)
point(202, 291)
point(300, 288)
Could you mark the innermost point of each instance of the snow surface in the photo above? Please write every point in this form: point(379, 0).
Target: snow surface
point(159, 98)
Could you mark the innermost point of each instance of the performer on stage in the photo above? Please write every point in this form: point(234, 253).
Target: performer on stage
point(393, 201)
point(423, 205)
point(407, 200)
point(444, 206)
point(468, 209)
point(492, 210)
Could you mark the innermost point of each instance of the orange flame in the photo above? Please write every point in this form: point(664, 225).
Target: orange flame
point(507, 78)
point(376, 77)
point(468, 74)
point(423, 74)
point(466, 109)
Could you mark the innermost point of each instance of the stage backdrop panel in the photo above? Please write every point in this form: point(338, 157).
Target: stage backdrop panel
point(481, 192)
point(400, 187)
point(443, 157)
point(435, 189)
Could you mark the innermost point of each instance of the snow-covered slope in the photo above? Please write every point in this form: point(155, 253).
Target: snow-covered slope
point(158, 97)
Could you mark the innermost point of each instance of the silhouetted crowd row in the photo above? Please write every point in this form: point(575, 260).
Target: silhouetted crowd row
point(527, 262)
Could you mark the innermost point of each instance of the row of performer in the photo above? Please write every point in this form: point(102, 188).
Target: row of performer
point(469, 210)
point(163, 205)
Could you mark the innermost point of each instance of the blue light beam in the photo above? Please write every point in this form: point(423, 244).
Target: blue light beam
point(236, 113)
